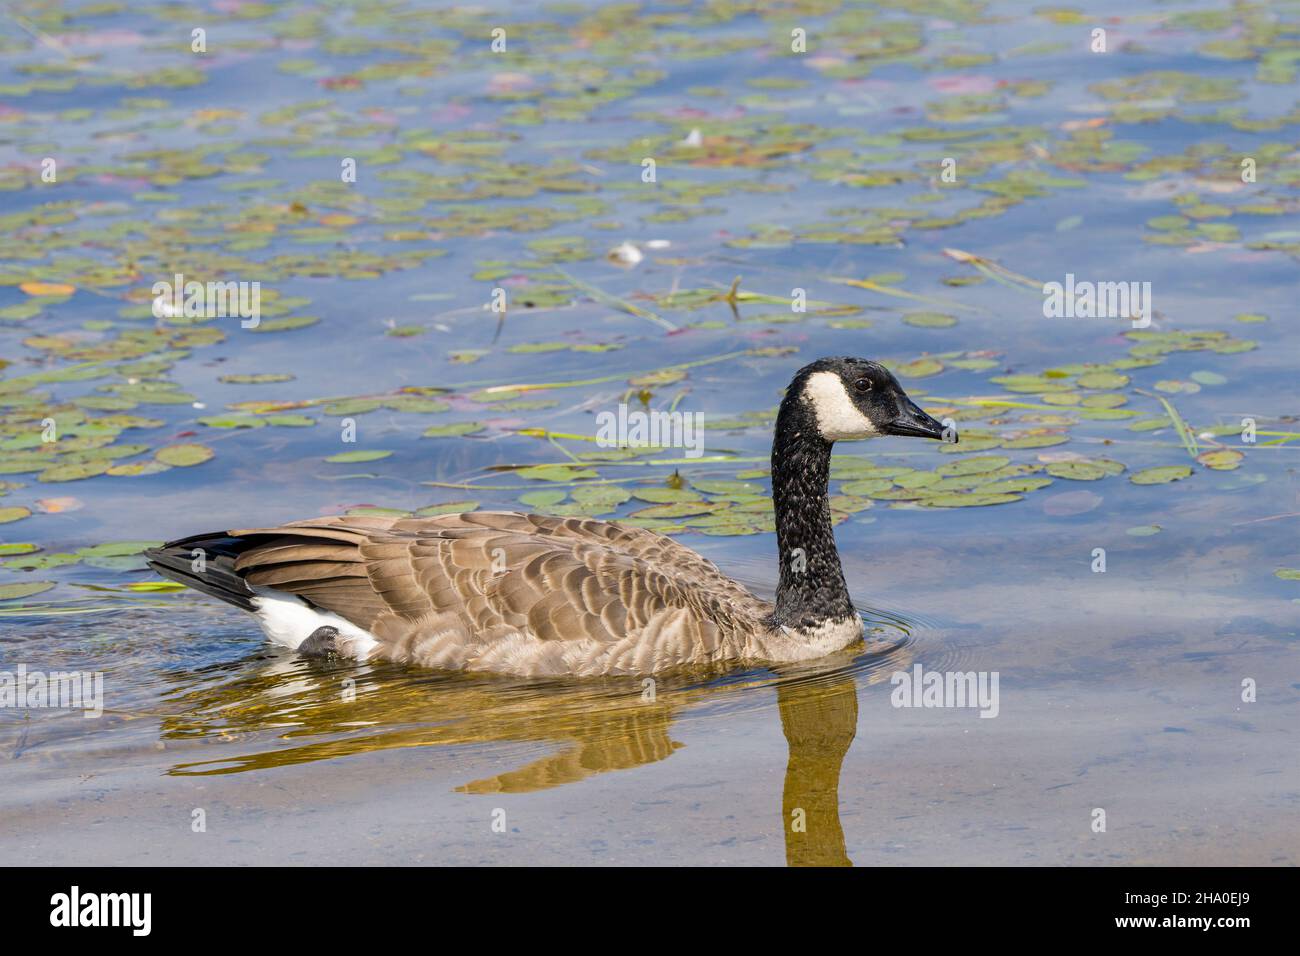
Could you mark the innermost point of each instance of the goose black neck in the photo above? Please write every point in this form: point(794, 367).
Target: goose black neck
point(812, 589)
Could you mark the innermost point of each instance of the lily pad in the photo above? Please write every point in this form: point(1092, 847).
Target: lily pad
point(1103, 380)
point(542, 499)
point(726, 487)
point(11, 592)
point(1036, 441)
point(969, 500)
point(183, 456)
point(1076, 470)
point(557, 472)
point(353, 457)
point(450, 508)
point(929, 320)
point(663, 496)
point(1221, 459)
point(137, 468)
point(1161, 475)
point(921, 368)
point(452, 430)
point(974, 466)
point(262, 378)
point(74, 471)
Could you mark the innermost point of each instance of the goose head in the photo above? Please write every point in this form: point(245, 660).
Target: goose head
point(851, 398)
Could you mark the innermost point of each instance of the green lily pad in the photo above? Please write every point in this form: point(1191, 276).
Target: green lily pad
point(232, 421)
point(970, 443)
point(42, 562)
point(74, 471)
point(1076, 470)
point(285, 324)
point(663, 496)
point(593, 500)
point(136, 468)
point(450, 508)
point(732, 528)
point(1103, 380)
point(542, 499)
point(11, 592)
point(914, 479)
point(1107, 414)
point(1012, 486)
point(1151, 424)
point(969, 500)
point(183, 456)
point(726, 487)
point(353, 457)
point(1221, 459)
point(557, 472)
point(1036, 441)
point(262, 378)
point(929, 320)
point(1161, 475)
point(680, 509)
point(117, 549)
point(1063, 398)
point(1103, 400)
point(452, 430)
point(921, 368)
point(865, 486)
point(974, 466)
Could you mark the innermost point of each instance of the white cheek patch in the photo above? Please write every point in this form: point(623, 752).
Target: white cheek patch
point(837, 416)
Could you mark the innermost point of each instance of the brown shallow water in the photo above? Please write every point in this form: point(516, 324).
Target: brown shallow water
point(1118, 693)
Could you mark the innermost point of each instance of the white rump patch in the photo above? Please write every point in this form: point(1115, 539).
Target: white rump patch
point(837, 416)
point(288, 620)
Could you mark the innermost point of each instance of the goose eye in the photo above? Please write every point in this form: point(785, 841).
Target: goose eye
point(863, 385)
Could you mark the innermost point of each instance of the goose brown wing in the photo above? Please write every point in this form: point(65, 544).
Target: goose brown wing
point(559, 578)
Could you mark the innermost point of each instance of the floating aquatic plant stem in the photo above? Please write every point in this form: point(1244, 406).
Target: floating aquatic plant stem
point(59, 610)
point(1185, 432)
point(901, 293)
point(649, 462)
point(604, 379)
point(613, 301)
point(992, 403)
point(992, 270)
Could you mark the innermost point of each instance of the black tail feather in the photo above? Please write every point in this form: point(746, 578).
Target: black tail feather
point(177, 560)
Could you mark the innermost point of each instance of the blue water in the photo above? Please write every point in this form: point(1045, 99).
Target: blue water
point(1121, 690)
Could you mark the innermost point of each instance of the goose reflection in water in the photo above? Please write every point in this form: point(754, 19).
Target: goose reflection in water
point(324, 710)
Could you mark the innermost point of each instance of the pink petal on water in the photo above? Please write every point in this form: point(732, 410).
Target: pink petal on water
point(963, 83)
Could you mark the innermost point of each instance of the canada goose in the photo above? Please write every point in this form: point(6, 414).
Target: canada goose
point(534, 595)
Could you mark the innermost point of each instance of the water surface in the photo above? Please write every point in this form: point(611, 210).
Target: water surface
point(1162, 690)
